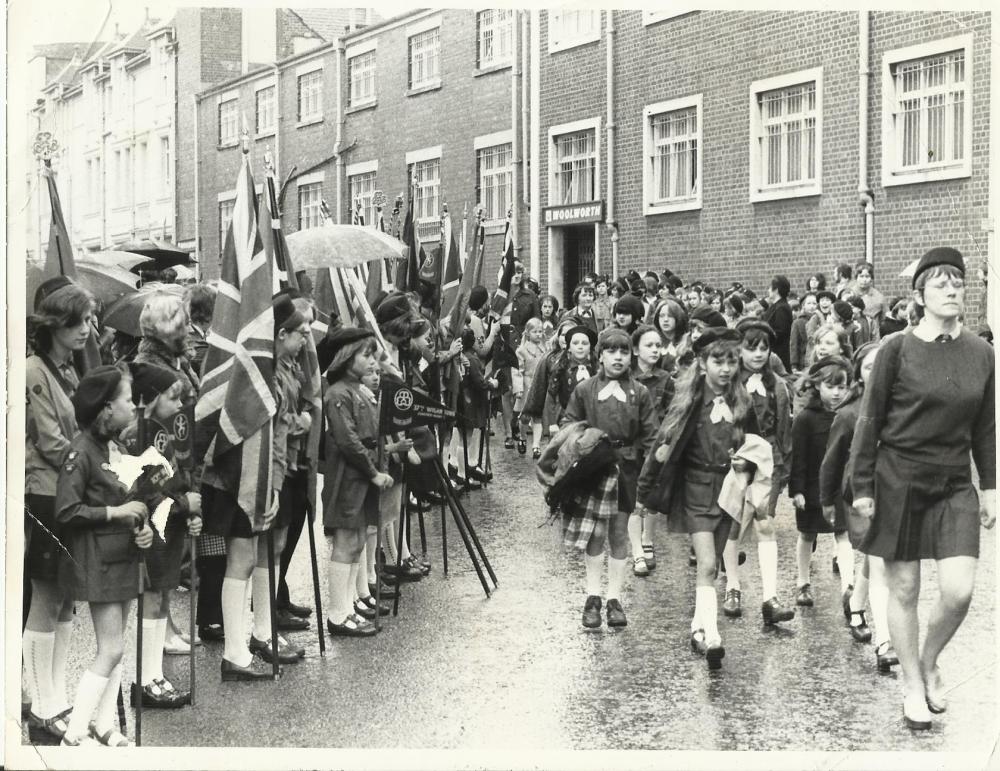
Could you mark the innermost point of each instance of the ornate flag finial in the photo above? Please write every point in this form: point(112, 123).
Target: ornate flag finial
point(44, 146)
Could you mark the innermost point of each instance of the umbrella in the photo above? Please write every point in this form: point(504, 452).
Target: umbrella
point(123, 315)
point(910, 269)
point(163, 253)
point(341, 246)
point(106, 282)
point(126, 260)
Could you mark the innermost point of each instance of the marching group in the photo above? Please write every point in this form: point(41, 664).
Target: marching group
point(710, 404)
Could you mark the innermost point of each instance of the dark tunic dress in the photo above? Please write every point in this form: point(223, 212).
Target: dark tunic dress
point(350, 500)
point(810, 431)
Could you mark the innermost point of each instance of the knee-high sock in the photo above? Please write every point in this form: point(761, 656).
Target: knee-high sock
point(803, 553)
point(352, 584)
point(88, 694)
point(845, 560)
point(60, 653)
point(108, 703)
point(339, 577)
point(707, 610)
point(457, 453)
point(150, 627)
point(370, 544)
point(234, 603)
point(389, 541)
point(261, 604)
point(635, 534)
point(161, 635)
point(648, 529)
point(730, 559)
point(38, 648)
point(878, 598)
point(594, 565)
point(767, 556)
point(859, 597)
point(406, 547)
point(361, 574)
point(616, 577)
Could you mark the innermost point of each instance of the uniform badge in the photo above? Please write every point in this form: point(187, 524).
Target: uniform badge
point(36, 389)
point(69, 467)
point(72, 455)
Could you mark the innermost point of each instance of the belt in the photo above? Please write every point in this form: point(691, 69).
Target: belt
point(709, 468)
point(370, 444)
point(617, 443)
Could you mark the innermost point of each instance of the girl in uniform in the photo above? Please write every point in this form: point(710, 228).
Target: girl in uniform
point(538, 403)
point(103, 532)
point(616, 403)
point(671, 320)
point(707, 420)
point(61, 326)
point(825, 388)
point(530, 352)
point(573, 367)
point(772, 405)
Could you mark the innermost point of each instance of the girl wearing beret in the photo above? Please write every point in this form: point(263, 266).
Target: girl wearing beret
point(61, 326)
point(158, 394)
point(530, 352)
point(772, 405)
point(539, 405)
point(575, 365)
point(103, 532)
point(707, 420)
point(929, 404)
point(616, 403)
point(825, 388)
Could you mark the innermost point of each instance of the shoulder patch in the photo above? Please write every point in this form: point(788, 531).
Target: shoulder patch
point(69, 468)
point(72, 454)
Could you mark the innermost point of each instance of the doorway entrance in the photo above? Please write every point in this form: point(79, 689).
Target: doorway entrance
point(578, 255)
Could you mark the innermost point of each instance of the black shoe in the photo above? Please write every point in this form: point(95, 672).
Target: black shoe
point(287, 622)
point(301, 611)
point(714, 655)
point(405, 571)
point(773, 612)
point(536, 453)
point(692, 560)
point(474, 472)
point(698, 644)
point(212, 633)
point(836, 567)
point(286, 654)
point(845, 601)
point(353, 626)
point(733, 604)
point(155, 696)
point(522, 447)
point(804, 598)
point(862, 633)
point(369, 602)
point(467, 484)
point(592, 612)
point(508, 443)
point(432, 498)
point(387, 593)
point(423, 564)
point(255, 671)
point(616, 615)
point(885, 657)
point(364, 611)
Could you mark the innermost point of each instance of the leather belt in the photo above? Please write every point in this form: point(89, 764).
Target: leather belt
point(709, 468)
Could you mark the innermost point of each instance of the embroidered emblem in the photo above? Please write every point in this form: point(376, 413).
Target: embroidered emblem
point(69, 467)
point(72, 454)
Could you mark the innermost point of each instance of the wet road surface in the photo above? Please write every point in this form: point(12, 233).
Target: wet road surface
point(518, 671)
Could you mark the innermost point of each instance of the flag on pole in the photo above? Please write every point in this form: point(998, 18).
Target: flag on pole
point(451, 265)
point(505, 275)
point(357, 218)
point(236, 405)
point(461, 305)
point(59, 262)
point(411, 268)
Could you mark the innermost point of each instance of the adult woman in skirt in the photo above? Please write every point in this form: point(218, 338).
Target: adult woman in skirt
point(60, 326)
point(919, 421)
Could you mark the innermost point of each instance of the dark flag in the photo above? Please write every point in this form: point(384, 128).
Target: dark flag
point(501, 298)
point(404, 408)
point(411, 268)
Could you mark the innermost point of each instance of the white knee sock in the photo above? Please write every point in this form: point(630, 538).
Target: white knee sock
point(389, 541)
point(38, 649)
point(234, 604)
point(878, 598)
point(352, 584)
point(767, 556)
point(161, 635)
point(635, 534)
point(803, 553)
point(707, 612)
point(370, 545)
point(594, 566)
point(648, 529)
point(88, 694)
point(730, 558)
point(859, 597)
point(406, 548)
point(616, 577)
point(339, 577)
point(150, 626)
point(261, 604)
point(60, 653)
point(108, 703)
point(845, 560)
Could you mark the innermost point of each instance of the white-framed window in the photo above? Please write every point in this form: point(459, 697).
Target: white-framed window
point(142, 172)
point(228, 121)
point(575, 167)
point(264, 110)
point(164, 65)
point(494, 33)
point(786, 136)
point(166, 173)
point(310, 198)
point(425, 177)
point(361, 76)
point(570, 28)
point(425, 58)
point(927, 112)
point(310, 96)
point(361, 187)
point(495, 167)
point(672, 165)
point(225, 218)
point(658, 15)
point(94, 183)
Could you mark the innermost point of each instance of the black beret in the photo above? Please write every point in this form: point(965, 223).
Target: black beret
point(96, 389)
point(736, 303)
point(843, 310)
point(478, 297)
point(339, 348)
point(715, 335)
point(939, 255)
point(826, 361)
point(580, 329)
point(746, 325)
point(632, 306)
point(827, 294)
point(286, 316)
point(150, 380)
point(48, 287)
point(393, 307)
point(706, 315)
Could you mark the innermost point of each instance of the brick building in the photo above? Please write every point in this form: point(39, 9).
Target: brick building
point(744, 144)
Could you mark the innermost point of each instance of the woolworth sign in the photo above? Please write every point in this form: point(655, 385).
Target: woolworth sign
point(573, 214)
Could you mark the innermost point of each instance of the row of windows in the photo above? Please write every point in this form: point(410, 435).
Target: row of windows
point(135, 175)
point(309, 109)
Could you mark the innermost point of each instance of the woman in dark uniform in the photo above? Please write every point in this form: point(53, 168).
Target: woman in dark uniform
point(928, 404)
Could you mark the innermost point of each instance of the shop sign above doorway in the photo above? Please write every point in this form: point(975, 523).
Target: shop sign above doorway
point(573, 214)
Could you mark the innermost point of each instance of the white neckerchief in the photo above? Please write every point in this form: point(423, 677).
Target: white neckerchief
point(368, 393)
point(582, 373)
point(755, 384)
point(613, 388)
point(720, 410)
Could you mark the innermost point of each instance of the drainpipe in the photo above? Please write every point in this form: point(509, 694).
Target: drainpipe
point(525, 195)
point(611, 223)
point(197, 206)
point(864, 190)
point(338, 142)
point(535, 212)
point(515, 144)
point(992, 282)
point(277, 123)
